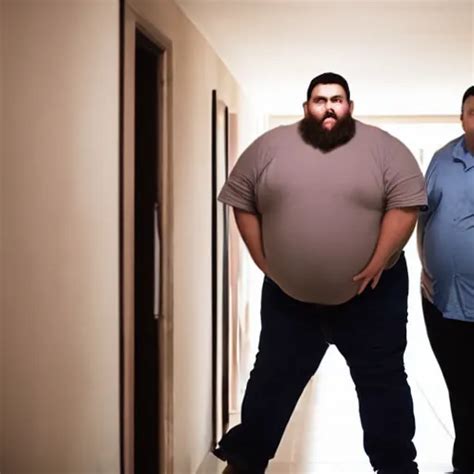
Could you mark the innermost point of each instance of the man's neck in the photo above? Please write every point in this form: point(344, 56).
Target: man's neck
point(469, 141)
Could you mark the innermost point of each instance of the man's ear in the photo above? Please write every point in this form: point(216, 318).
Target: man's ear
point(305, 108)
point(351, 106)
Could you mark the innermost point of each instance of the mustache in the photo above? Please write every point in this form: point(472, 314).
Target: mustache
point(330, 114)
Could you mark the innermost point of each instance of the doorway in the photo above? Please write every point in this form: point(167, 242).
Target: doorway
point(145, 259)
point(147, 251)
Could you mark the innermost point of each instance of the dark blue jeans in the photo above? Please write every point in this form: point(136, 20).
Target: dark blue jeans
point(453, 345)
point(370, 332)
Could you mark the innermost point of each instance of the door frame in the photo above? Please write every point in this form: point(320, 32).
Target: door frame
point(131, 21)
point(220, 271)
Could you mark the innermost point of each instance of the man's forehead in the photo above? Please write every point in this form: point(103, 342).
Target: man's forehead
point(328, 90)
point(469, 102)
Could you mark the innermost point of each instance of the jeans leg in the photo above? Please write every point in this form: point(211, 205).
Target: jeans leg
point(370, 333)
point(291, 348)
point(453, 345)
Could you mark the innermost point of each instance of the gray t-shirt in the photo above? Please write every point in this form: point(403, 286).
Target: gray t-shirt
point(321, 212)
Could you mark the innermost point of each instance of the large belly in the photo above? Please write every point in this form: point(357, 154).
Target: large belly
point(449, 249)
point(316, 261)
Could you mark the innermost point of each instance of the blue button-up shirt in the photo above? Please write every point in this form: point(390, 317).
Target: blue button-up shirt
point(446, 230)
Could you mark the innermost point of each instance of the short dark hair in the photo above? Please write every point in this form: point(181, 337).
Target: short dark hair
point(328, 78)
point(467, 94)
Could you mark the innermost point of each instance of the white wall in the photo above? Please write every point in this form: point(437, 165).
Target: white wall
point(400, 57)
point(59, 203)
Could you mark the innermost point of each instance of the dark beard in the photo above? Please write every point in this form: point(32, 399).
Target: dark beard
point(313, 133)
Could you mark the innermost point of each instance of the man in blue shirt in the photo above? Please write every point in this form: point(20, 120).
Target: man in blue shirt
point(446, 245)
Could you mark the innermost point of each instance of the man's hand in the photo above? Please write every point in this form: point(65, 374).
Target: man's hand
point(371, 273)
point(396, 228)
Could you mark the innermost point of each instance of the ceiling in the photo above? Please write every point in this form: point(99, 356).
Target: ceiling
point(401, 57)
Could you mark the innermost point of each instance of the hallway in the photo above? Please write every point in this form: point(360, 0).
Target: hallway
point(222, 73)
point(324, 435)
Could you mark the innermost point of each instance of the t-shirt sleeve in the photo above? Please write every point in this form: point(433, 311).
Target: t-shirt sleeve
point(403, 179)
point(239, 190)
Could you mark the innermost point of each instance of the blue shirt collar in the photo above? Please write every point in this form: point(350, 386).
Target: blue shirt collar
point(460, 153)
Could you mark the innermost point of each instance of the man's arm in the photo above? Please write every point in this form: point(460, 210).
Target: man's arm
point(397, 227)
point(251, 231)
point(426, 279)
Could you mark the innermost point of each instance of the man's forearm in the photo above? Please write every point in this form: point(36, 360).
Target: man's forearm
point(426, 279)
point(250, 229)
point(396, 229)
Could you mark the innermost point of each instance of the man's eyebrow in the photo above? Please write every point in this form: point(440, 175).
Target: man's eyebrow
point(319, 97)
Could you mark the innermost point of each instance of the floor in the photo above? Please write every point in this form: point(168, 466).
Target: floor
point(324, 434)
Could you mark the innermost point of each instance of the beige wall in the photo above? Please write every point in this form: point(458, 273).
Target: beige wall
point(196, 71)
point(59, 203)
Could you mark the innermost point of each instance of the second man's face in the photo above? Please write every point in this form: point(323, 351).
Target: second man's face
point(328, 104)
point(467, 117)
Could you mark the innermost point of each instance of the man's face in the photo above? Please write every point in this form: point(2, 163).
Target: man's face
point(328, 104)
point(467, 117)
